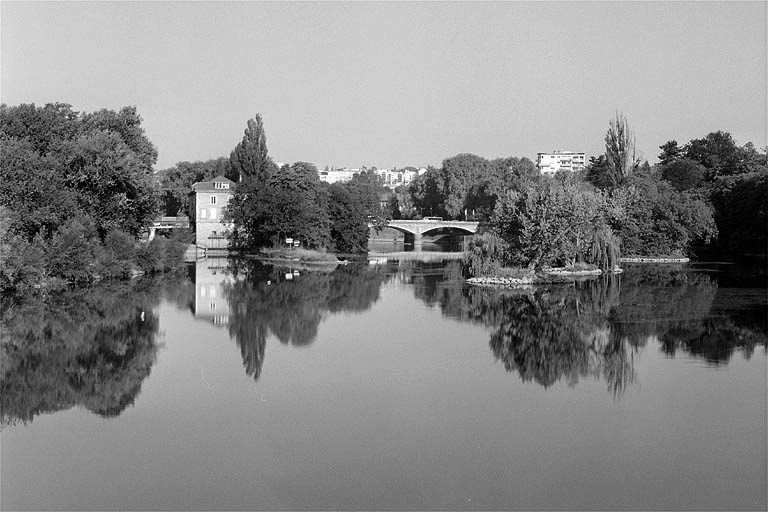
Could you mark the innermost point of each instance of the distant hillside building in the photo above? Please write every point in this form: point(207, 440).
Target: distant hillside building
point(207, 203)
point(337, 175)
point(550, 163)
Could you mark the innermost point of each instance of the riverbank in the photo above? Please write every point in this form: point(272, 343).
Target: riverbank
point(652, 259)
point(297, 255)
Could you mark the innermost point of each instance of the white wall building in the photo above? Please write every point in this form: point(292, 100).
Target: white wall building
point(208, 201)
point(391, 178)
point(337, 175)
point(550, 163)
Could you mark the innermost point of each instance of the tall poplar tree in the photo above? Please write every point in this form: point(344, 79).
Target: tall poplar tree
point(620, 152)
point(249, 159)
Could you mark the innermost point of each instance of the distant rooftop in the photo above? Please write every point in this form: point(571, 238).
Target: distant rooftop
point(217, 184)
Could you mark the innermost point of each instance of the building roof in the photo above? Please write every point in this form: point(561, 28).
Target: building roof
point(209, 186)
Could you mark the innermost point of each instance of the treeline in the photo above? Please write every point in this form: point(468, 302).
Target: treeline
point(77, 191)
point(272, 203)
point(709, 194)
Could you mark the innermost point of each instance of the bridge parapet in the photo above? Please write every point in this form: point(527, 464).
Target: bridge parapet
point(419, 227)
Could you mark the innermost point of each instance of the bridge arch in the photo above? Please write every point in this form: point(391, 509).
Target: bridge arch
point(415, 229)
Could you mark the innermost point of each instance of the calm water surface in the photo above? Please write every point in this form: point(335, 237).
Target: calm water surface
point(388, 386)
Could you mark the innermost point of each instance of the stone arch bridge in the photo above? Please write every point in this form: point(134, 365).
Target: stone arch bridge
point(414, 230)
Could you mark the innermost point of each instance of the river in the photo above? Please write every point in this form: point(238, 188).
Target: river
point(388, 385)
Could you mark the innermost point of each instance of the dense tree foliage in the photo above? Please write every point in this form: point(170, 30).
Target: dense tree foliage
point(683, 174)
point(426, 193)
point(468, 186)
point(176, 182)
point(294, 204)
point(731, 178)
point(741, 213)
point(70, 180)
point(558, 221)
point(272, 204)
point(349, 219)
point(658, 220)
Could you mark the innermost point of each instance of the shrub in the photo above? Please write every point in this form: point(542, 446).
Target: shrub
point(22, 264)
point(74, 251)
point(117, 257)
point(160, 255)
point(484, 255)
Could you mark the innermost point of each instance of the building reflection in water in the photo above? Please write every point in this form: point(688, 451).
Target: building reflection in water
point(254, 301)
point(544, 334)
point(211, 277)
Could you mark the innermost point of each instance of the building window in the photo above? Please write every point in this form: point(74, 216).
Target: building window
point(213, 199)
point(203, 213)
point(213, 213)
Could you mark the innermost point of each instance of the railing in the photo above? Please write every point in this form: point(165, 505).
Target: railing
point(171, 222)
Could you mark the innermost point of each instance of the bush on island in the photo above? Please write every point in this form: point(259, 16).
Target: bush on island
point(484, 255)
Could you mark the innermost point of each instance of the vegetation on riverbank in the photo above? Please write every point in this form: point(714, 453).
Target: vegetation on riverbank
point(79, 190)
point(709, 192)
point(77, 193)
point(298, 254)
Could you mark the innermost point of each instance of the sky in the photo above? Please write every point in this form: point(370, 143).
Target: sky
point(396, 84)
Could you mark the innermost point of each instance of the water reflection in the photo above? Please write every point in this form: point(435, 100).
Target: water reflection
point(94, 348)
point(256, 300)
point(594, 328)
point(91, 348)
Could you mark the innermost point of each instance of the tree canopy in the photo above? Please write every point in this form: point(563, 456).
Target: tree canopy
point(558, 221)
point(70, 179)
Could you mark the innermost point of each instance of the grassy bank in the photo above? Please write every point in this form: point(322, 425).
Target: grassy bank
point(298, 254)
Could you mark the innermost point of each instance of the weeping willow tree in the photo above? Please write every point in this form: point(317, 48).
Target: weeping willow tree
point(605, 248)
point(484, 255)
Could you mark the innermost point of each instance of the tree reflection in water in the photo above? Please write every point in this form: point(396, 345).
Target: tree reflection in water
point(263, 300)
point(90, 347)
point(593, 328)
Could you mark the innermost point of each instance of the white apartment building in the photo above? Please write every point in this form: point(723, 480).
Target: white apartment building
point(391, 178)
point(337, 175)
point(558, 160)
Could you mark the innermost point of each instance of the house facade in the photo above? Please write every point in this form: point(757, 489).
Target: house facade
point(207, 204)
point(550, 163)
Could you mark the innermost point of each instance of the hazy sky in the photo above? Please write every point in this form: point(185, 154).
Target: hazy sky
point(394, 84)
